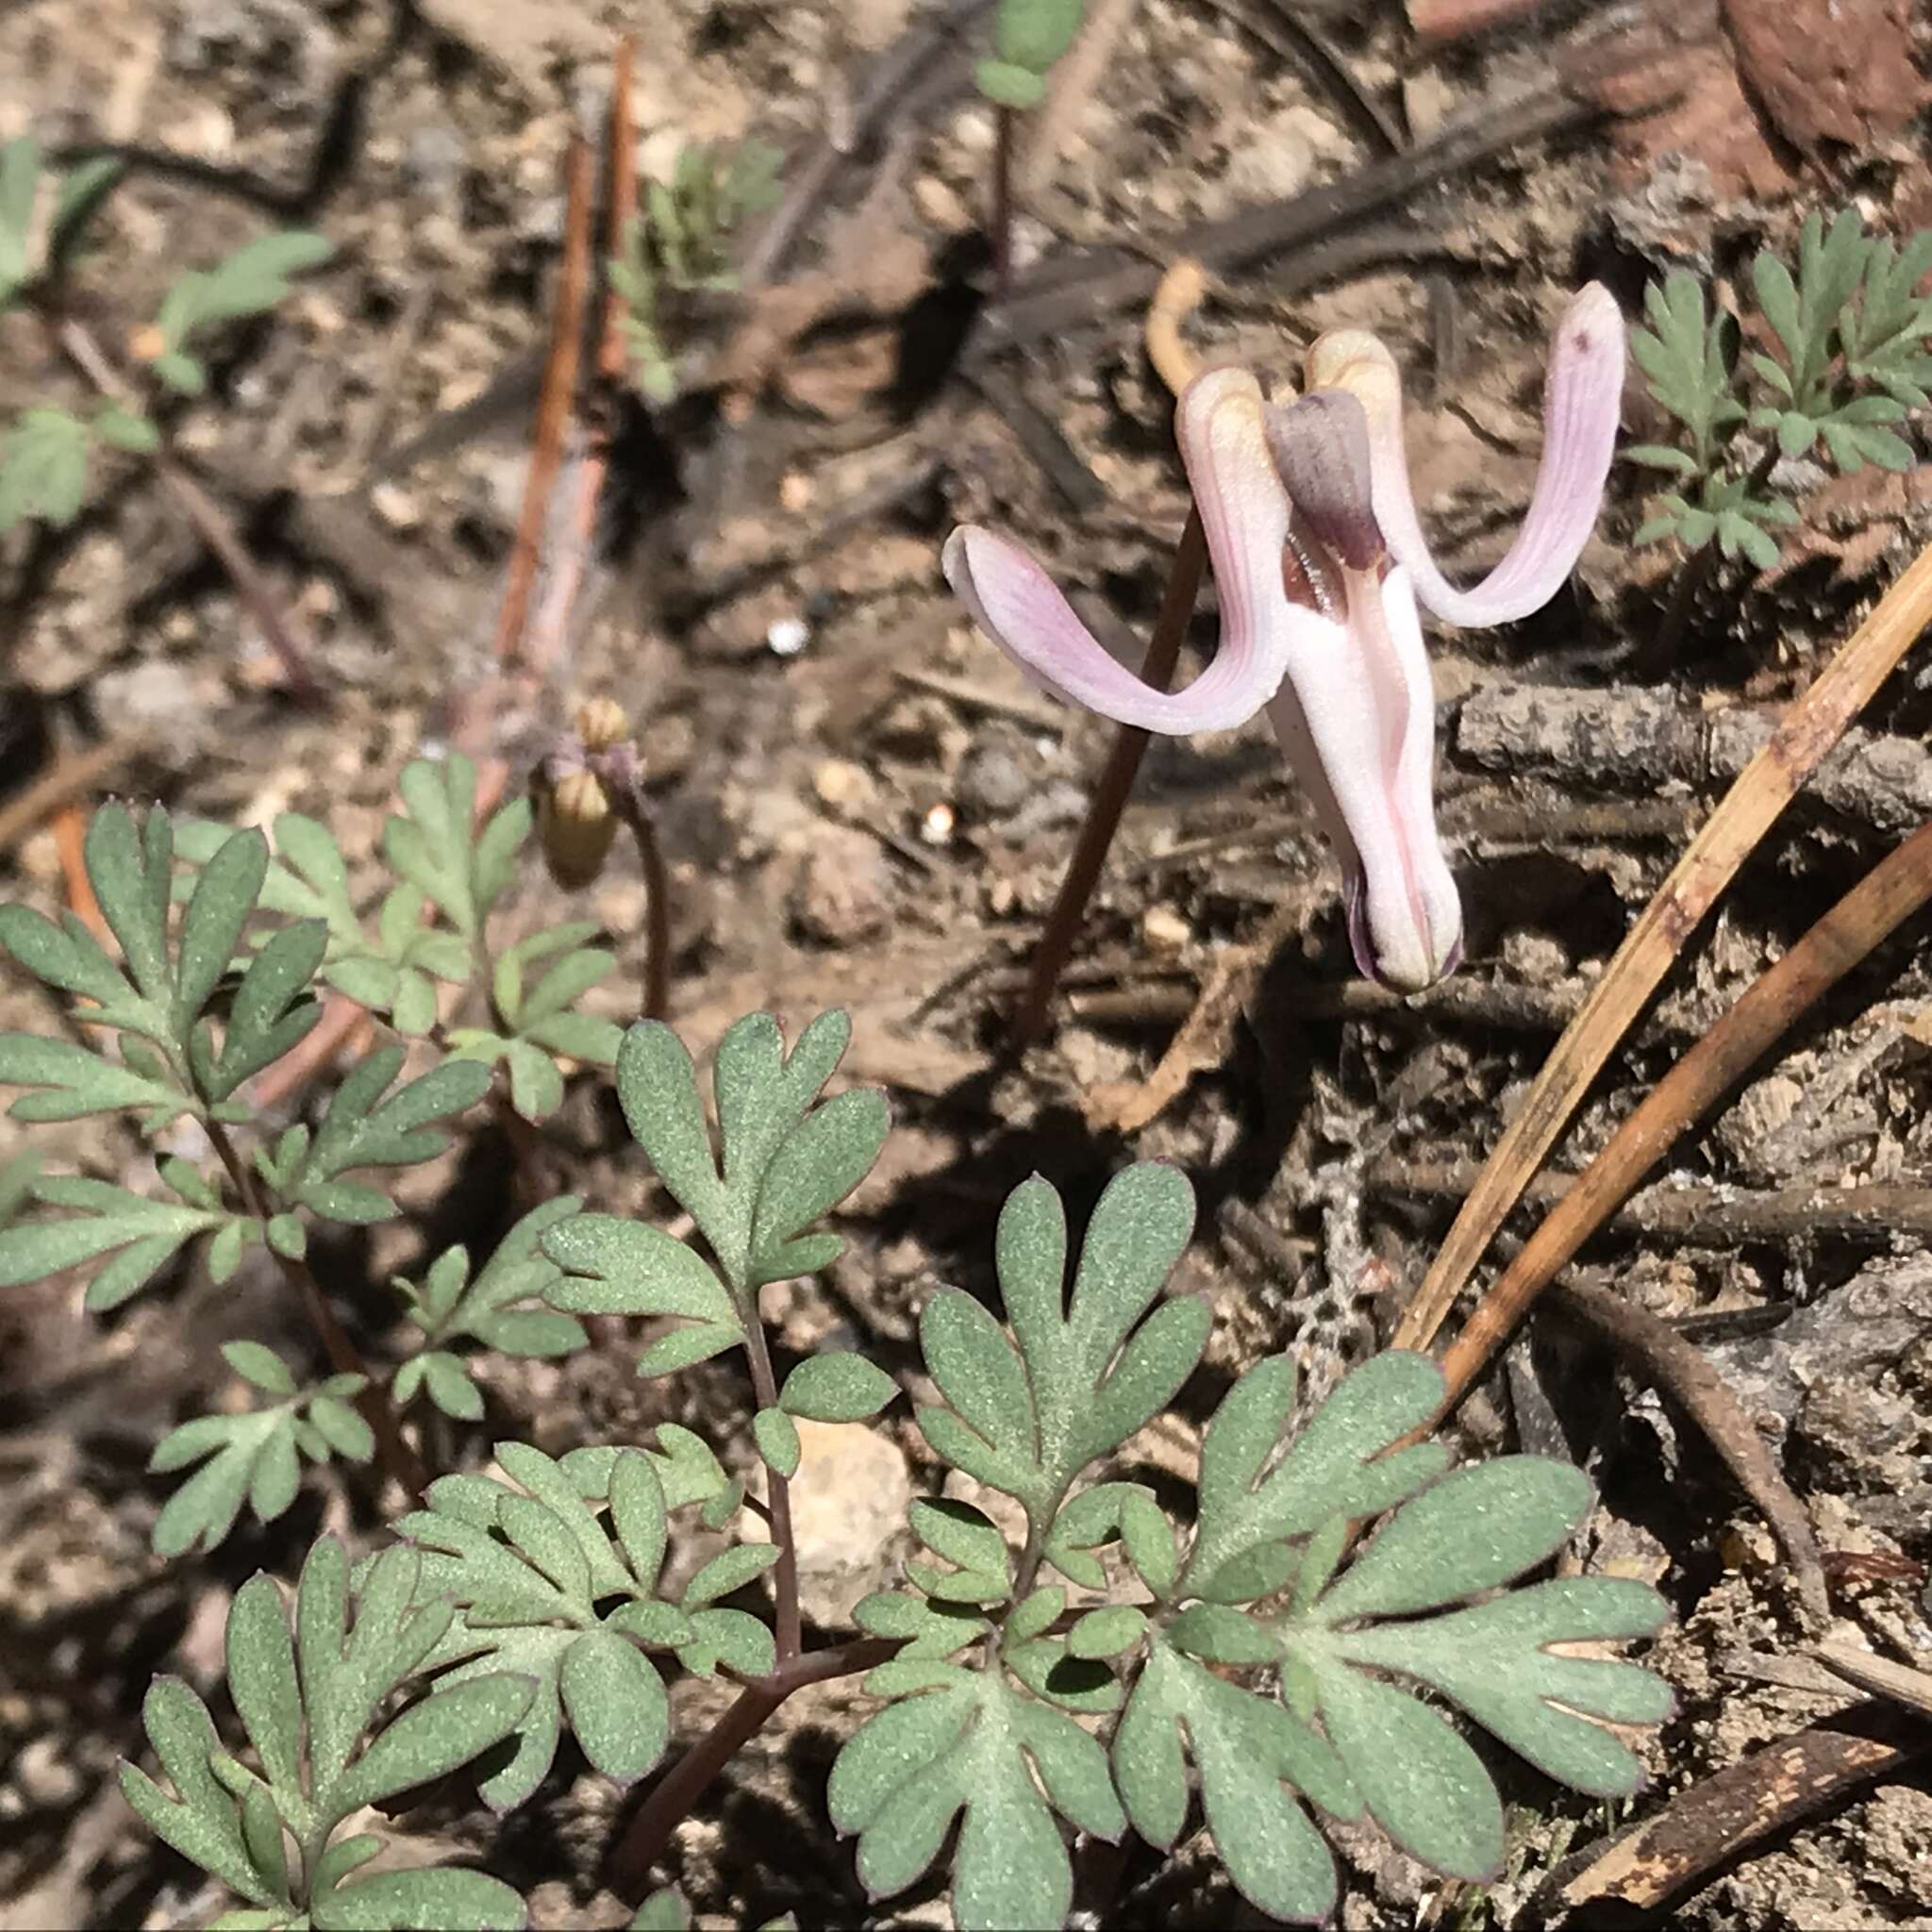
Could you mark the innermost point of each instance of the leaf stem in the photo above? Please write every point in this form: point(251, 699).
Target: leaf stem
point(785, 1572)
point(397, 1457)
point(674, 1795)
point(1701, 565)
point(1030, 1557)
point(1685, 592)
point(1111, 795)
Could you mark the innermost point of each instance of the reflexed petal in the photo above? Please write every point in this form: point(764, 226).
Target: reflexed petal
point(1020, 608)
point(1356, 717)
point(1245, 517)
point(1580, 409)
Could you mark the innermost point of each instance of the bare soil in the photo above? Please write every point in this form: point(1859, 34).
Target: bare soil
point(881, 818)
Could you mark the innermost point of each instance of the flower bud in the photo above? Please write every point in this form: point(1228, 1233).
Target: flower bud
point(577, 825)
point(601, 723)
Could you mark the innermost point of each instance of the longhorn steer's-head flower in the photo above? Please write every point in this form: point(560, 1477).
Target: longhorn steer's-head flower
point(1320, 560)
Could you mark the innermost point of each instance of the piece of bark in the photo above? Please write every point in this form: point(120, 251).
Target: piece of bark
point(1638, 1875)
point(1696, 1214)
point(1635, 739)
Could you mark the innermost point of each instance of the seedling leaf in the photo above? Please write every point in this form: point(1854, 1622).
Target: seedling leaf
point(528, 1570)
point(1085, 1377)
point(306, 1702)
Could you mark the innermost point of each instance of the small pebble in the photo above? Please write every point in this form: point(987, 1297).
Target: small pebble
point(845, 891)
point(44, 1776)
point(787, 637)
point(992, 783)
point(935, 827)
point(1164, 929)
point(843, 788)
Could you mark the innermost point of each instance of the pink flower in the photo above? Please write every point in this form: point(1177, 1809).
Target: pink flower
point(1320, 561)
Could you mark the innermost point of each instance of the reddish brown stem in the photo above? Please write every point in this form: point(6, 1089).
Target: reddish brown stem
point(1111, 795)
point(623, 784)
point(673, 1796)
point(637, 814)
point(621, 187)
point(554, 404)
point(576, 543)
point(1003, 120)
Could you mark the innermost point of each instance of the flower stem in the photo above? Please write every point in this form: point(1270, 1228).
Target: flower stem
point(1111, 795)
point(1002, 202)
point(627, 791)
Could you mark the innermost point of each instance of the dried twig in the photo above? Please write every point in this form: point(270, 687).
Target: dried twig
point(1810, 727)
point(1890, 893)
point(887, 91)
point(1880, 1675)
point(545, 643)
point(280, 624)
point(1069, 290)
point(1127, 1106)
point(554, 406)
point(70, 841)
point(1636, 738)
point(1681, 1369)
point(1283, 31)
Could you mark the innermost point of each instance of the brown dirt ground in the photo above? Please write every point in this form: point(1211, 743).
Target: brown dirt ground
point(864, 821)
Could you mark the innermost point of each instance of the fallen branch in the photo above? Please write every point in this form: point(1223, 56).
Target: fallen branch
point(555, 404)
point(1898, 1683)
point(1703, 1215)
point(1068, 291)
point(1638, 740)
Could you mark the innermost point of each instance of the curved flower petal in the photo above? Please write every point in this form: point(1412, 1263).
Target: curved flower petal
point(1356, 717)
point(1245, 517)
point(1580, 410)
